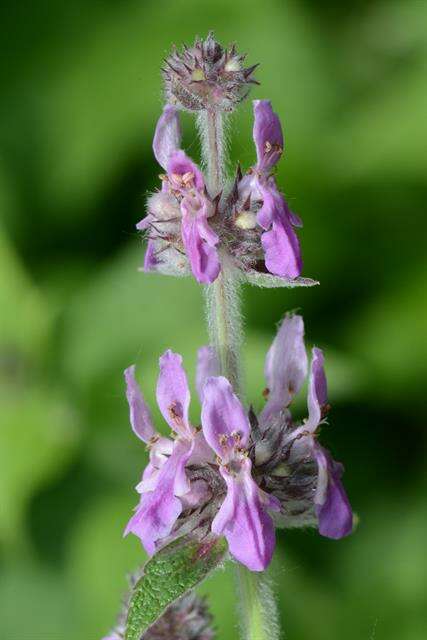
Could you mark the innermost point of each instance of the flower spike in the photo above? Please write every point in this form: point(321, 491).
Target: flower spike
point(195, 222)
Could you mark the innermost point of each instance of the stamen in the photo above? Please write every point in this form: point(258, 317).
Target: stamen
point(188, 178)
point(175, 412)
point(223, 440)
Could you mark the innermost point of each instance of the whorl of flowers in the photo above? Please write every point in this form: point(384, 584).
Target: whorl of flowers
point(187, 226)
point(238, 475)
point(190, 223)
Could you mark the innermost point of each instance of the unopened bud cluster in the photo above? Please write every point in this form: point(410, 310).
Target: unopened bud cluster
point(206, 76)
point(186, 619)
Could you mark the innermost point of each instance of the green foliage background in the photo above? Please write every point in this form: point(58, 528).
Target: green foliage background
point(80, 95)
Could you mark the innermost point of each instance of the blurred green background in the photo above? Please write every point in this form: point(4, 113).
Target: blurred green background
point(80, 95)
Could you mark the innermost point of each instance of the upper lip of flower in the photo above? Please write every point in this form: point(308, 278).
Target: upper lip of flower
point(285, 370)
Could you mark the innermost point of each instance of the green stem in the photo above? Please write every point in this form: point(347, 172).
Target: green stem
point(211, 129)
point(225, 323)
point(259, 611)
point(257, 604)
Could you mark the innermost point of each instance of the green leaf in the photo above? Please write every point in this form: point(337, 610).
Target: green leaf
point(180, 566)
point(267, 280)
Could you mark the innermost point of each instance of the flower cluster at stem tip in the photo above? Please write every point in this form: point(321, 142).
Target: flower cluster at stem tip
point(189, 222)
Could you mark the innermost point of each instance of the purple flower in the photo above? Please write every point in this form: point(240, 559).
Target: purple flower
point(142, 425)
point(182, 208)
point(212, 479)
point(240, 506)
point(332, 506)
point(285, 367)
point(268, 136)
point(249, 220)
point(165, 479)
point(285, 370)
point(279, 241)
point(242, 518)
point(207, 366)
point(167, 136)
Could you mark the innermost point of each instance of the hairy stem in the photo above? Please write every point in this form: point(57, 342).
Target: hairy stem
point(225, 323)
point(258, 613)
point(211, 129)
point(259, 619)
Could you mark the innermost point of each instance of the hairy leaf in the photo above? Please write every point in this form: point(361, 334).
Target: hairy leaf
point(168, 575)
point(267, 280)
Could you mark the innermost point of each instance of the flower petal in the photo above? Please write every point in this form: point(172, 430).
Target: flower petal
point(144, 224)
point(150, 260)
point(317, 390)
point(179, 164)
point(173, 394)
point(279, 241)
point(140, 415)
point(244, 522)
point(268, 135)
point(159, 509)
point(159, 452)
point(207, 366)
point(199, 240)
point(199, 494)
point(281, 249)
point(332, 505)
point(202, 452)
point(224, 420)
point(285, 366)
point(167, 137)
point(149, 478)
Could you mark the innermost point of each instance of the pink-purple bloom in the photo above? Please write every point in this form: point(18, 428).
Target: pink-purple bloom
point(332, 506)
point(279, 241)
point(165, 480)
point(184, 200)
point(250, 220)
point(238, 481)
point(243, 518)
point(285, 370)
point(166, 490)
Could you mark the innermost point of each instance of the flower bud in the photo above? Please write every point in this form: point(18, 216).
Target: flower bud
point(186, 619)
point(206, 76)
